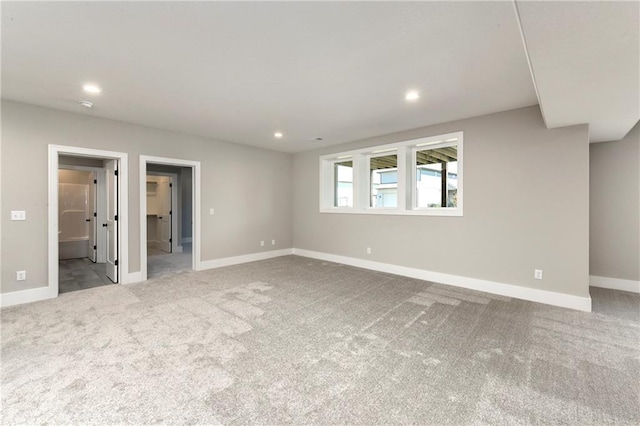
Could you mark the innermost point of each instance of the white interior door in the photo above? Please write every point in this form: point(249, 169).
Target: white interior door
point(101, 208)
point(92, 216)
point(164, 213)
point(111, 167)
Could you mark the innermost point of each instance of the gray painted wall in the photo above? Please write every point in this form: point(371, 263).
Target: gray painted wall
point(526, 198)
point(614, 208)
point(250, 188)
point(526, 206)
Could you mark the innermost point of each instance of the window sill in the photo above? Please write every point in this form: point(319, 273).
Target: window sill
point(397, 212)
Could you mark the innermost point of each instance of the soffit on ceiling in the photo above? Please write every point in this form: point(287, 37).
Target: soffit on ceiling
point(585, 60)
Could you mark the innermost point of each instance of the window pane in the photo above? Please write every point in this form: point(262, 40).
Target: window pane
point(343, 181)
point(437, 177)
point(384, 181)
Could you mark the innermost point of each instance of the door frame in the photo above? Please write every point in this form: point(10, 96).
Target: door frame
point(175, 247)
point(101, 189)
point(195, 207)
point(123, 213)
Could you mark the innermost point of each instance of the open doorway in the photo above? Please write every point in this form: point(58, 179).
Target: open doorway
point(82, 211)
point(87, 218)
point(168, 209)
point(87, 222)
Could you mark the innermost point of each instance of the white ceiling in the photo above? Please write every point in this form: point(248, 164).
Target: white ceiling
point(240, 71)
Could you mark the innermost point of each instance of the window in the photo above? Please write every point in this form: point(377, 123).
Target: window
point(436, 177)
point(383, 177)
point(416, 177)
point(343, 178)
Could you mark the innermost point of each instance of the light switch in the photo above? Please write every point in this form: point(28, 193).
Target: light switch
point(18, 215)
point(211, 211)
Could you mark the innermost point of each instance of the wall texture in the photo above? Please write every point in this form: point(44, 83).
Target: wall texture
point(614, 208)
point(526, 207)
point(526, 198)
point(249, 188)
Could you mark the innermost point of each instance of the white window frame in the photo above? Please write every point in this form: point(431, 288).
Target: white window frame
point(407, 177)
point(382, 153)
point(333, 182)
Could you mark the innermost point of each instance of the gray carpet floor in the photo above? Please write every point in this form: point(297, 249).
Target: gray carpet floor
point(296, 340)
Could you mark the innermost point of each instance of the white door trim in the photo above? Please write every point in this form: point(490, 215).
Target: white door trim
point(195, 211)
point(175, 246)
point(123, 202)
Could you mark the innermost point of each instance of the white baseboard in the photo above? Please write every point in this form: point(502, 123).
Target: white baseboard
point(186, 240)
point(614, 283)
point(235, 260)
point(132, 278)
point(26, 296)
point(518, 292)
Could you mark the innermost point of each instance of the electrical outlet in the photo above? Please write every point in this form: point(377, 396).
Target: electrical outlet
point(261, 243)
point(368, 250)
point(212, 211)
point(537, 274)
point(18, 215)
point(273, 242)
point(21, 275)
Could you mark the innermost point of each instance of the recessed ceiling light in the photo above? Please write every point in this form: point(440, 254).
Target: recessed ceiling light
point(91, 88)
point(86, 104)
point(412, 96)
point(278, 135)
